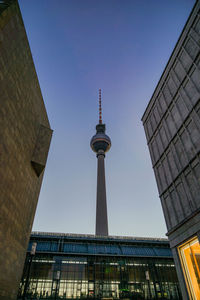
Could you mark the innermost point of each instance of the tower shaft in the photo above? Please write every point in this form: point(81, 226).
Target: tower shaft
point(101, 205)
point(101, 143)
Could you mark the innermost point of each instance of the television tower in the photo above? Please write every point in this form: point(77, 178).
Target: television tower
point(101, 143)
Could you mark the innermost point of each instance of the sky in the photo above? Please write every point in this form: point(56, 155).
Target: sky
point(122, 47)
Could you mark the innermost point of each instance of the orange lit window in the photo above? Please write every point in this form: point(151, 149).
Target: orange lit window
point(190, 259)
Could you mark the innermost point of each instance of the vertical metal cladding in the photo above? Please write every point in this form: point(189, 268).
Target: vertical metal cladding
point(172, 126)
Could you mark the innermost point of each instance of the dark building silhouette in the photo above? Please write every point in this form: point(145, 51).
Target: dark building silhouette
point(172, 126)
point(25, 138)
point(75, 266)
point(101, 143)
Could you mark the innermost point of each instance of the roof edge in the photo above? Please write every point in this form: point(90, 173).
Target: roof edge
point(76, 235)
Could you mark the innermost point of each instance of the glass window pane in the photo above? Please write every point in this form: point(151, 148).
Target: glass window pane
point(190, 258)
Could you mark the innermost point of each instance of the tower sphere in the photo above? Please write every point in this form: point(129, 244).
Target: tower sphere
point(100, 141)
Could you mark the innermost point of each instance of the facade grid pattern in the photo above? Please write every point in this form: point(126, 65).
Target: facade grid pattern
point(172, 126)
point(88, 269)
point(172, 129)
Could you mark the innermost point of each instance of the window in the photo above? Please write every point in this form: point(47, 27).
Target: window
point(190, 258)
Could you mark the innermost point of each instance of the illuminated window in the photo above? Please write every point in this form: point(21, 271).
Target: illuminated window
point(190, 259)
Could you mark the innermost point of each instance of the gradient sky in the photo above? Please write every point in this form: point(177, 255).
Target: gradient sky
point(122, 47)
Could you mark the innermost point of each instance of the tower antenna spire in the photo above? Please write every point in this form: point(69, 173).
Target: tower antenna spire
point(100, 109)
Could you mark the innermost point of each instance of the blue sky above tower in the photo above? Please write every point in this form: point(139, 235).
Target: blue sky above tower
point(121, 47)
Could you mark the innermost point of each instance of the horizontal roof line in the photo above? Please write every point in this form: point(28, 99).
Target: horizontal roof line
point(75, 235)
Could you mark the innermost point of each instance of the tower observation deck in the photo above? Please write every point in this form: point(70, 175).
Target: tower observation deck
point(101, 143)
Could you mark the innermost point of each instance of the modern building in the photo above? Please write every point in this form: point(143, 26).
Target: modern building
point(25, 138)
point(73, 266)
point(172, 126)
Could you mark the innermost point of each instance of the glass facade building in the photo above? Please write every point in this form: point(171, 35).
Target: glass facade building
point(85, 266)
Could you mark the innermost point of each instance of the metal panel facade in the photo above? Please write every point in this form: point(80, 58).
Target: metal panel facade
point(172, 126)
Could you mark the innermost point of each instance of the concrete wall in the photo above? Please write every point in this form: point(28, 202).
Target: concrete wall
point(172, 126)
point(25, 138)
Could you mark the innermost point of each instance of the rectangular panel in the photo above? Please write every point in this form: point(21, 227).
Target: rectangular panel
point(186, 205)
point(159, 144)
point(185, 138)
point(175, 78)
point(196, 170)
point(181, 107)
point(179, 71)
point(172, 164)
point(193, 188)
point(195, 136)
point(154, 150)
point(172, 86)
point(146, 131)
point(163, 136)
point(156, 114)
point(170, 207)
point(190, 89)
point(176, 116)
point(153, 121)
point(180, 152)
point(198, 113)
point(167, 170)
point(191, 48)
point(162, 103)
point(185, 60)
point(167, 94)
point(171, 125)
point(177, 207)
point(196, 78)
point(149, 128)
point(163, 183)
point(165, 199)
point(197, 26)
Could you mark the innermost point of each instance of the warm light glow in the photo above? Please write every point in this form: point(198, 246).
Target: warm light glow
point(190, 259)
